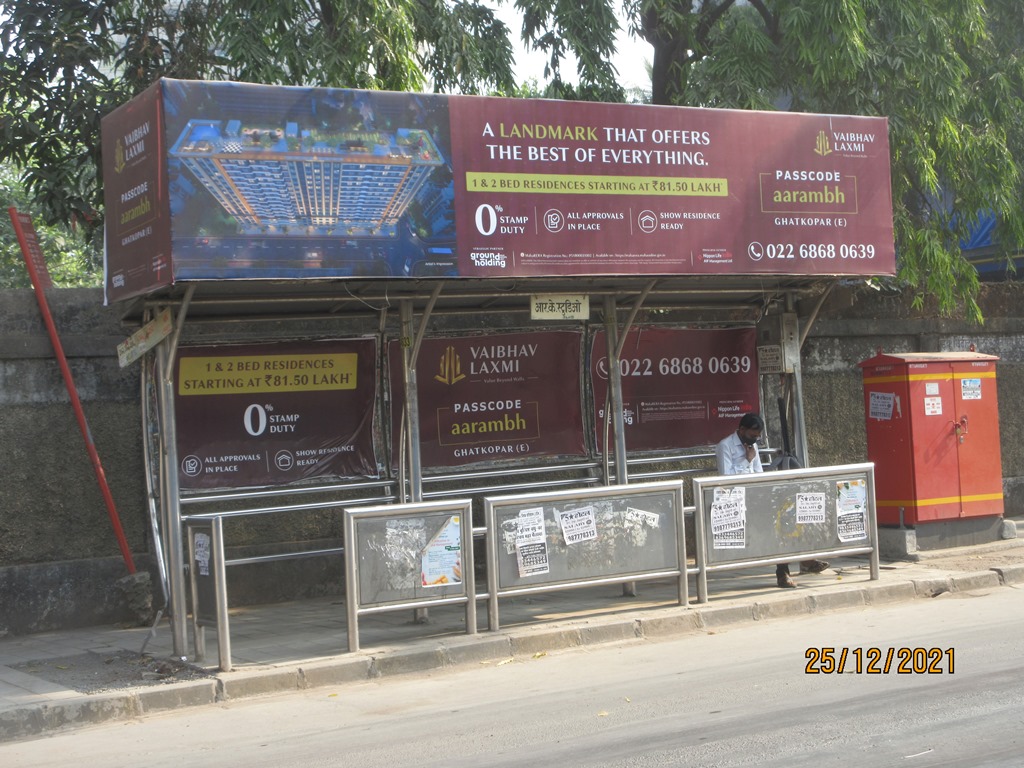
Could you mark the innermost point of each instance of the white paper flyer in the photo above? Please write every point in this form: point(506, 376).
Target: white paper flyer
point(531, 543)
point(441, 562)
point(729, 518)
point(578, 524)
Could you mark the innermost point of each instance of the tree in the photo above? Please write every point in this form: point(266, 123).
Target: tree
point(69, 259)
point(66, 64)
point(948, 74)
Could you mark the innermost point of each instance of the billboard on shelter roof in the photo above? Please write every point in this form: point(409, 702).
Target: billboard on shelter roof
point(219, 180)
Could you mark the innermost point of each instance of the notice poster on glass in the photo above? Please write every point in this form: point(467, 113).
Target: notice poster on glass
point(810, 508)
point(531, 543)
point(441, 562)
point(578, 524)
point(729, 518)
point(851, 510)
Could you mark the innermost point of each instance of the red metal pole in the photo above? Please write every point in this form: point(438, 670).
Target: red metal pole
point(31, 255)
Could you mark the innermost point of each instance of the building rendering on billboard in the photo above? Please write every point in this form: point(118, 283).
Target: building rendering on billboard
point(270, 179)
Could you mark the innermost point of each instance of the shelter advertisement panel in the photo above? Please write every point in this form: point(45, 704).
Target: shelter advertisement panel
point(494, 397)
point(137, 218)
point(222, 180)
point(681, 388)
point(272, 414)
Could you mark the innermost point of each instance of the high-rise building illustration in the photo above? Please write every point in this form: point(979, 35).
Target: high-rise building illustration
point(274, 180)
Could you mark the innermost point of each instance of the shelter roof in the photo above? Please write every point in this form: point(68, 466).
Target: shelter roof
point(735, 296)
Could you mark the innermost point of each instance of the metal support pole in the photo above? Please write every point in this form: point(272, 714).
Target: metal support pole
point(412, 423)
point(220, 582)
point(198, 630)
point(150, 427)
point(412, 414)
point(411, 349)
point(171, 502)
point(615, 383)
point(798, 416)
point(799, 425)
point(873, 565)
point(351, 584)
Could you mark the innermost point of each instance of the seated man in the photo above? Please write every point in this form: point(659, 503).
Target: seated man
point(737, 454)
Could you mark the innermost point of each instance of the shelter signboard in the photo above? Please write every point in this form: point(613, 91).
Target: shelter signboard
point(221, 180)
point(680, 387)
point(271, 414)
point(494, 397)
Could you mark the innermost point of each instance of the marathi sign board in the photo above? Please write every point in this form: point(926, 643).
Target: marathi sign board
point(680, 387)
point(494, 397)
point(272, 414)
point(552, 306)
point(222, 180)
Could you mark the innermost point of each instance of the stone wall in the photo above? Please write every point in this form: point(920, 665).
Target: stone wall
point(59, 559)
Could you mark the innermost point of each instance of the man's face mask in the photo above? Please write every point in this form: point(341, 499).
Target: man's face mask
point(749, 438)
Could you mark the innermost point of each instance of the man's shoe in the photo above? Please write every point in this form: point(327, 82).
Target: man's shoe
point(813, 566)
point(785, 581)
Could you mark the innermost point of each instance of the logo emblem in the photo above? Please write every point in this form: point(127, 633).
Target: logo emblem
point(119, 157)
point(821, 146)
point(450, 369)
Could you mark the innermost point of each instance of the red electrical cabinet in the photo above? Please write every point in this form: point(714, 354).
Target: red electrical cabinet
point(933, 435)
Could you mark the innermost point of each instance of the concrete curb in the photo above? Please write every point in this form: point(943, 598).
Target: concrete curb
point(969, 582)
point(453, 653)
point(1010, 574)
point(55, 716)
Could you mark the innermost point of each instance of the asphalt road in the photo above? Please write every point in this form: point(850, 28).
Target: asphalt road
point(740, 697)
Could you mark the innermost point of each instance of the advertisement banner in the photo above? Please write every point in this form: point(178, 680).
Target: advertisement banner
point(494, 397)
point(681, 388)
point(557, 188)
point(252, 181)
point(272, 414)
point(137, 214)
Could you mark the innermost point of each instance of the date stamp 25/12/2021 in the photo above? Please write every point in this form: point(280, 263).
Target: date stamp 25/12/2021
point(879, 661)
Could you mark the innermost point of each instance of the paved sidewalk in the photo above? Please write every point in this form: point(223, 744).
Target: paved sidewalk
point(45, 684)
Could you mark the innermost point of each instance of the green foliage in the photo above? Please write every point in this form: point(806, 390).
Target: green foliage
point(587, 28)
point(948, 75)
point(67, 64)
point(69, 259)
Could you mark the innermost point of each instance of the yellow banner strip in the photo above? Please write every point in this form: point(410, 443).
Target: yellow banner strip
point(941, 500)
point(571, 184)
point(930, 377)
point(260, 374)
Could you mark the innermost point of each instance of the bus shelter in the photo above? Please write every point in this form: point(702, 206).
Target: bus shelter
point(367, 297)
